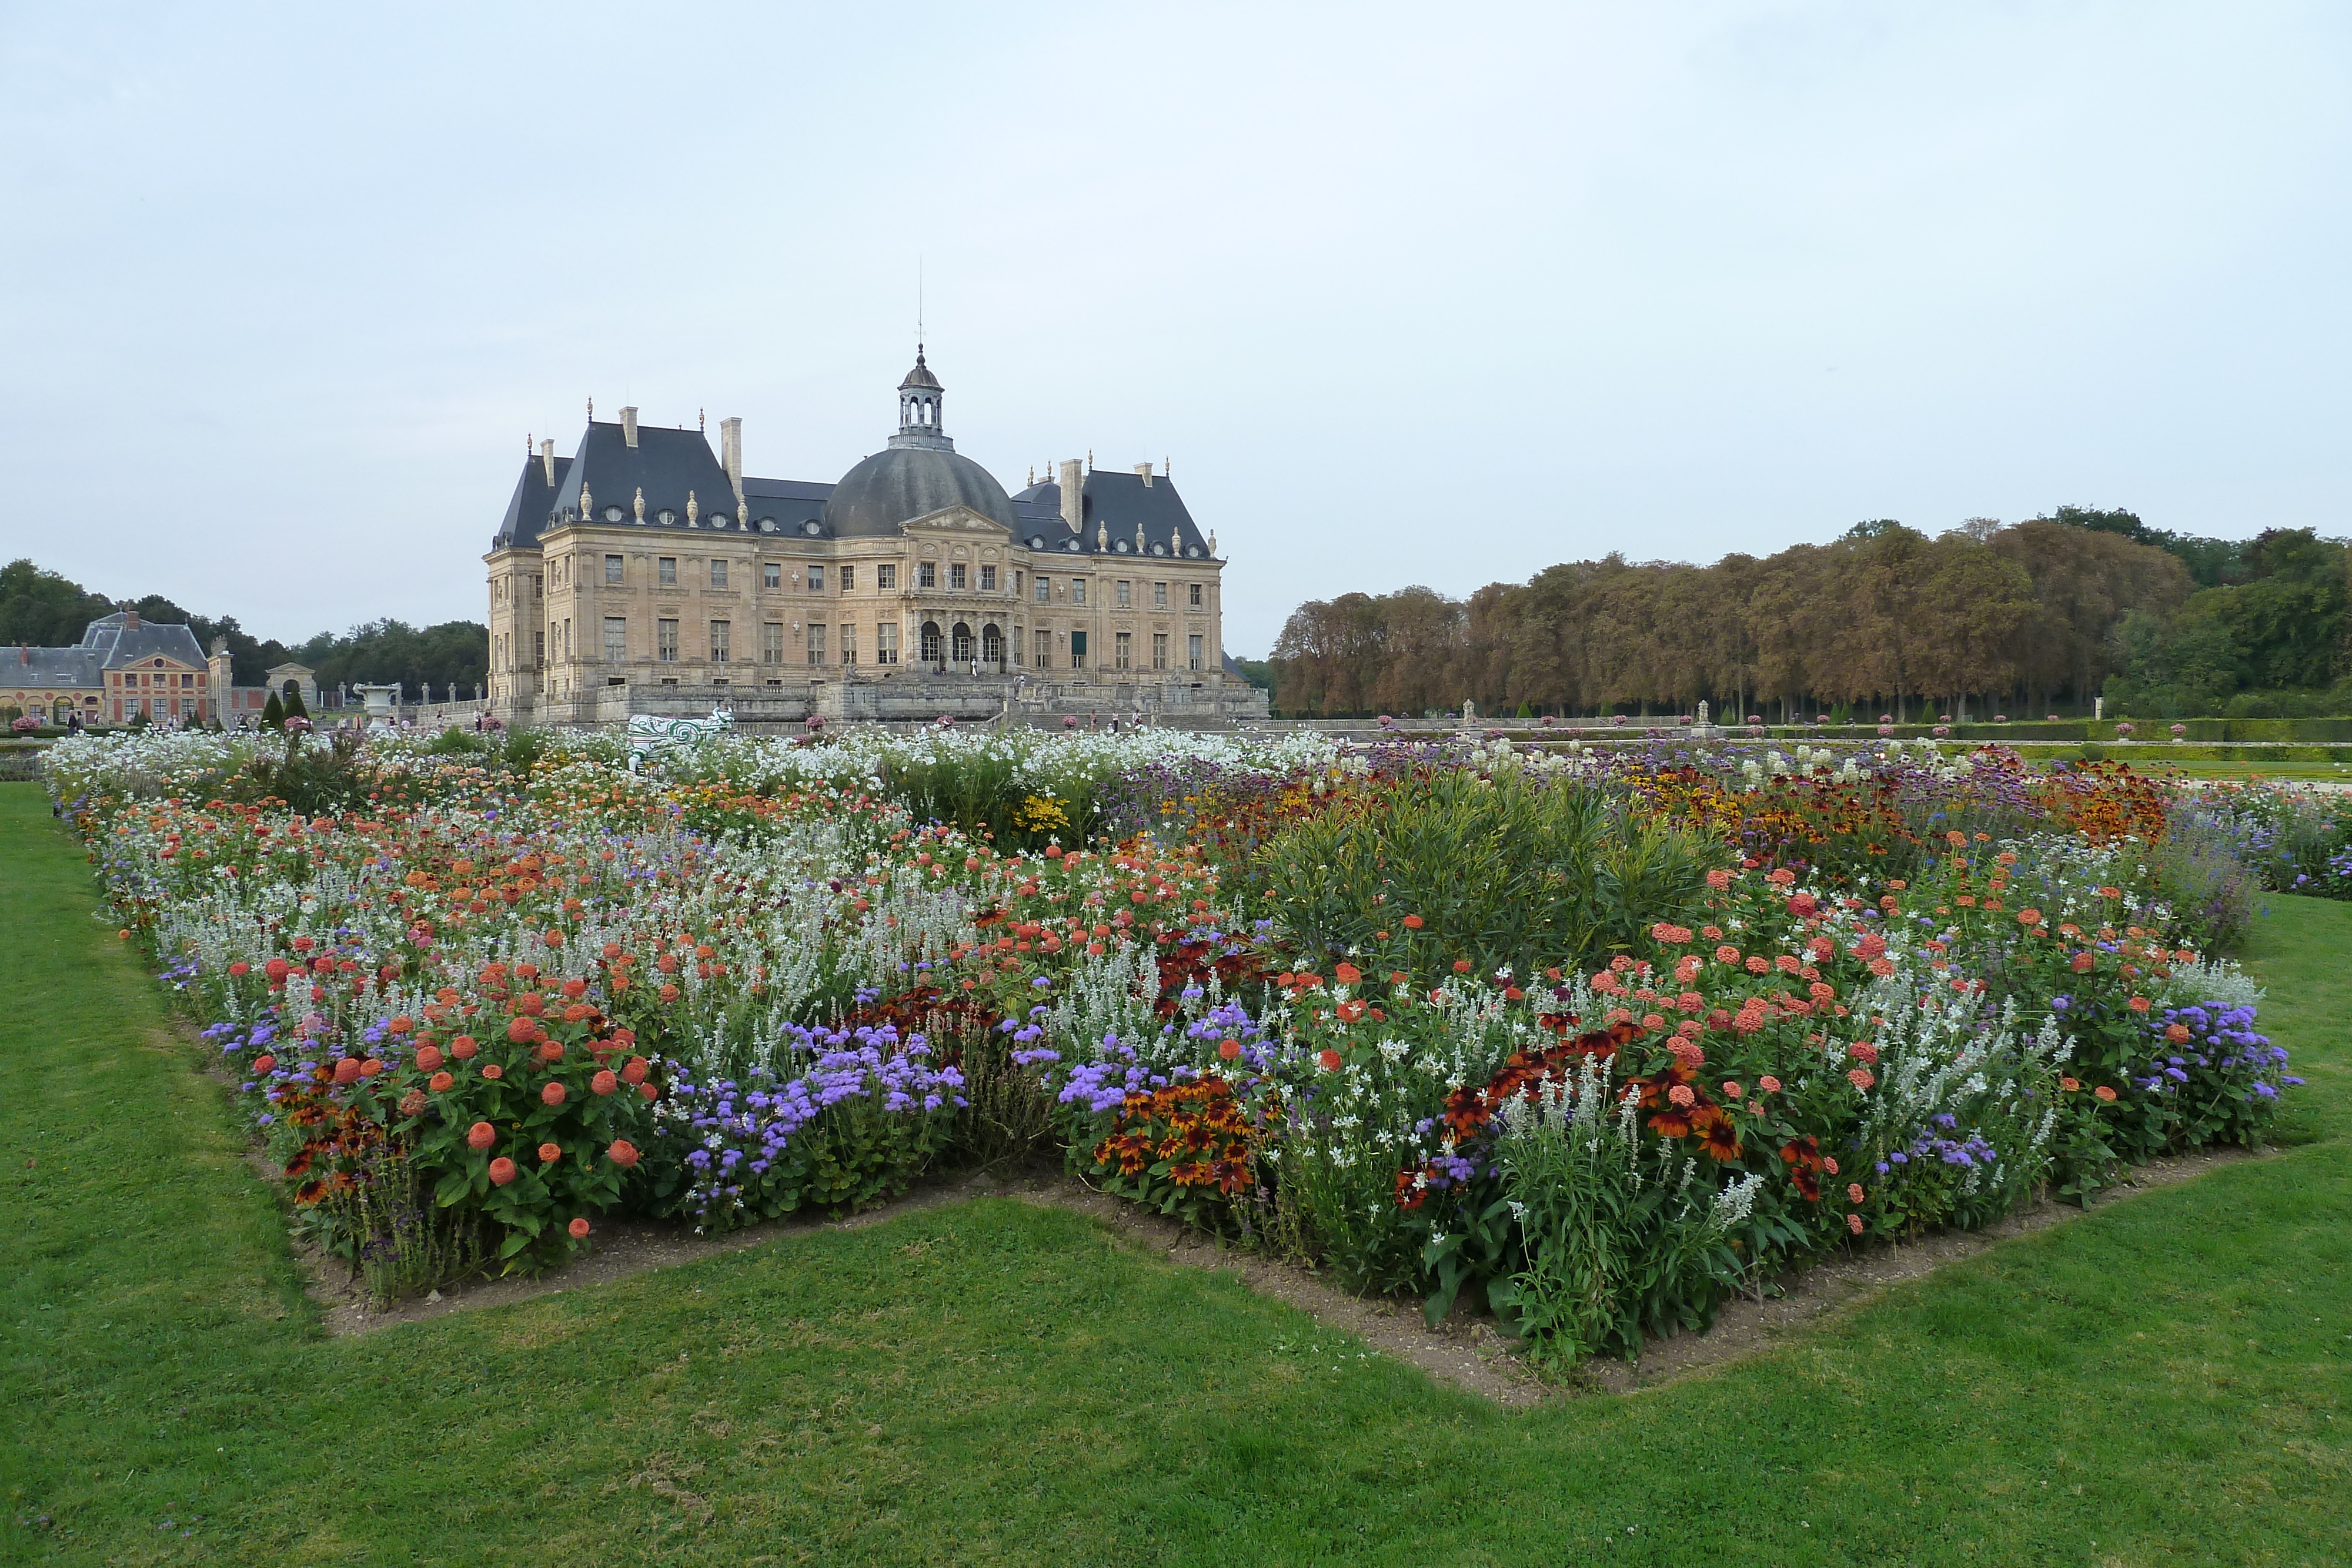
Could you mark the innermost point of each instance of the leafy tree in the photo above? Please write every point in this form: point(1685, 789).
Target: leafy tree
point(273, 712)
point(44, 610)
point(1981, 619)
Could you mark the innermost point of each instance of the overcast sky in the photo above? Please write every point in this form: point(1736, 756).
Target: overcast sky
point(1438, 294)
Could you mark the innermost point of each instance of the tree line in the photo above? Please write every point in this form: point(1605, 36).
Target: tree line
point(46, 608)
point(2026, 619)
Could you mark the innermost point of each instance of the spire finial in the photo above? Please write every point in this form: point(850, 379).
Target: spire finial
point(702, 421)
point(591, 410)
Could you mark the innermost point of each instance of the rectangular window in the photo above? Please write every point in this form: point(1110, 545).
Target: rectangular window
point(717, 574)
point(1121, 650)
point(1160, 649)
point(816, 579)
point(1044, 650)
point(1045, 589)
point(1192, 595)
point(612, 568)
point(616, 639)
point(955, 576)
point(1124, 596)
point(1078, 590)
point(772, 643)
point(885, 642)
point(538, 648)
point(886, 577)
point(1016, 582)
point(848, 580)
point(988, 579)
point(666, 642)
point(1193, 650)
point(567, 636)
point(849, 644)
point(817, 642)
point(187, 680)
point(771, 575)
point(1077, 650)
point(1160, 596)
point(927, 575)
point(666, 573)
point(720, 634)
point(538, 586)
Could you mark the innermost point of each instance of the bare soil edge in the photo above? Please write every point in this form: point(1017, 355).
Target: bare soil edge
point(1464, 1351)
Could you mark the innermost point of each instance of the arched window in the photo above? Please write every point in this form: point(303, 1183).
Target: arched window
point(963, 645)
point(930, 642)
point(991, 644)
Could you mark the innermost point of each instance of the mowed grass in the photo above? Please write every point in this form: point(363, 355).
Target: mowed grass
point(2162, 1382)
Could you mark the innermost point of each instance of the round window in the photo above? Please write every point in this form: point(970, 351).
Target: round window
point(665, 515)
point(614, 514)
point(812, 527)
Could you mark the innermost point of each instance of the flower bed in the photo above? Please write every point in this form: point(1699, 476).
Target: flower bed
point(1735, 1012)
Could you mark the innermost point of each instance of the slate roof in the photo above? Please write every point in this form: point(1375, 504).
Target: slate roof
point(118, 643)
point(107, 643)
point(77, 667)
point(900, 484)
point(1118, 502)
point(534, 498)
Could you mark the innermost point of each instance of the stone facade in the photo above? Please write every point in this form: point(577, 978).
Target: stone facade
point(123, 668)
point(913, 587)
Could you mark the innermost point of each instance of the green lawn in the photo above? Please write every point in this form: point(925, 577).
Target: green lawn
point(2165, 1380)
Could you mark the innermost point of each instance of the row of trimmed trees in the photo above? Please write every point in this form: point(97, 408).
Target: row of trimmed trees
point(2023, 619)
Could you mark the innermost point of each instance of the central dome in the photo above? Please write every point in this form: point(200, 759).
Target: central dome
point(904, 483)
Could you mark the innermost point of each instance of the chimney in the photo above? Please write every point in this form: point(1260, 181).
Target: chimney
point(547, 460)
point(629, 424)
point(1145, 470)
point(731, 454)
point(130, 620)
point(1074, 496)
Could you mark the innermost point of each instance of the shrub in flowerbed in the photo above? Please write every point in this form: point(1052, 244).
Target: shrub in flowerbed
point(1513, 867)
point(1588, 1045)
point(1604, 1153)
point(2290, 839)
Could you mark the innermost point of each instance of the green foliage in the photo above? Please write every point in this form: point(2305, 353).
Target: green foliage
point(1620, 1242)
point(273, 712)
point(1517, 872)
point(44, 609)
point(385, 651)
point(153, 1319)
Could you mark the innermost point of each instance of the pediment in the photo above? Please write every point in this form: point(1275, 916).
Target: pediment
point(957, 519)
